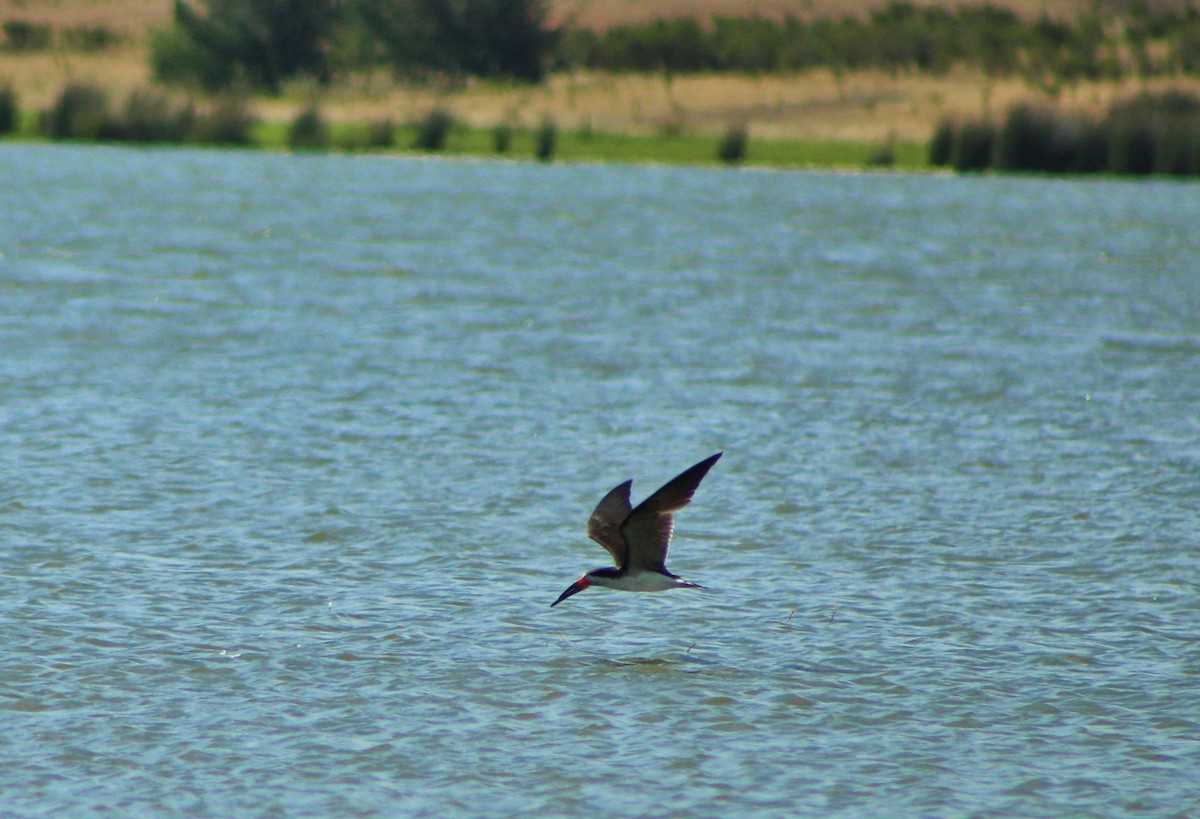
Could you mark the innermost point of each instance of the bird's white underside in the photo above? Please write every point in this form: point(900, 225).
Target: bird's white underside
point(641, 582)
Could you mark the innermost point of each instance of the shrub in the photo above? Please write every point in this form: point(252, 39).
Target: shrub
point(1022, 138)
point(149, 117)
point(1033, 139)
point(8, 109)
point(1174, 102)
point(941, 147)
point(1156, 133)
point(884, 156)
point(229, 123)
point(308, 131)
point(433, 130)
point(381, 134)
point(545, 140)
point(89, 38)
point(1091, 148)
point(81, 112)
point(732, 147)
point(1130, 146)
point(973, 147)
point(23, 35)
point(1177, 149)
point(502, 138)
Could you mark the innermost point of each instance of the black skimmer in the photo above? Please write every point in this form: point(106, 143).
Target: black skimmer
point(638, 539)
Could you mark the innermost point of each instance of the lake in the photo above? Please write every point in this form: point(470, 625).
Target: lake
point(296, 451)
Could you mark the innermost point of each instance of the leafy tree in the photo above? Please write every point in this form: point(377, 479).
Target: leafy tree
point(260, 42)
point(486, 38)
point(992, 36)
point(501, 38)
point(748, 43)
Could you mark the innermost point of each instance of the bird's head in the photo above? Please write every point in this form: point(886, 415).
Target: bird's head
point(596, 577)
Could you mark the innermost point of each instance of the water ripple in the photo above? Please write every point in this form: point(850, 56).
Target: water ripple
point(298, 450)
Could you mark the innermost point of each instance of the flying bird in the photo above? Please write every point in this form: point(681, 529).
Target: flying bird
point(638, 539)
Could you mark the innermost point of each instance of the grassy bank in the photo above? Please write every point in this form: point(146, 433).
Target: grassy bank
point(1149, 133)
point(158, 123)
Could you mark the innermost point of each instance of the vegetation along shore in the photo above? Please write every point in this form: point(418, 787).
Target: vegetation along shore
point(1058, 86)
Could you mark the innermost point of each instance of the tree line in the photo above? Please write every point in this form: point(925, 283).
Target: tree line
point(903, 37)
point(24, 35)
point(263, 43)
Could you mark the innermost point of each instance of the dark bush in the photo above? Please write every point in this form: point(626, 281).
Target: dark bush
point(229, 123)
point(1035, 139)
point(1022, 139)
point(22, 35)
point(149, 117)
point(433, 130)
point(381, 134)
point(732, 147)
point(81, 112)
point(883, 156)
point(1177, 149)
point(89, 38)
point(502, 138)
point(308, 131)
point(545, 140)
point(973, 146)
point(1175, 102)
point(1091, 148)
point(8, 109)
point(1130, 146)
point(941, 147)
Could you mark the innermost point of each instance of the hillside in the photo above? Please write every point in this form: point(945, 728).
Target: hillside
point(862, 106)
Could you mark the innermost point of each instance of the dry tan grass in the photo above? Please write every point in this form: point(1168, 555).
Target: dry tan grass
point(40, 76)
point(859, 107)
point(129, 18)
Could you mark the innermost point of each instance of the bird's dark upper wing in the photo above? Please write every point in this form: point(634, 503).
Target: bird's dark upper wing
point(647, 530)
point(604, 526)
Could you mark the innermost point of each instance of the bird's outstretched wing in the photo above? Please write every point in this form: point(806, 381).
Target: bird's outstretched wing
point(647, 530)
point(604, 526)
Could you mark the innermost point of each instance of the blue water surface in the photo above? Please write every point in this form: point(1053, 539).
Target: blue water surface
point(295, 451)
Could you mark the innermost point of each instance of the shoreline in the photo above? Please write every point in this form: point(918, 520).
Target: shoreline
point(571, 146)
